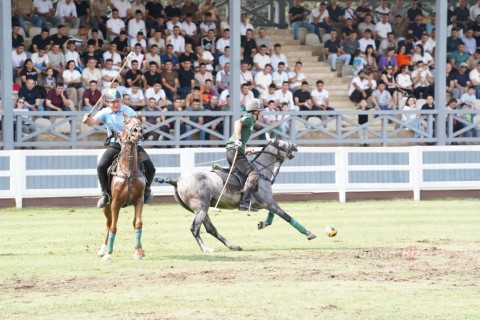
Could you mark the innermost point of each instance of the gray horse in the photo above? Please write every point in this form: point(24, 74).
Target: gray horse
point(198, 191)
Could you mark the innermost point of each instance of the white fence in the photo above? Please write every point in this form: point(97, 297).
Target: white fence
point(72, 173)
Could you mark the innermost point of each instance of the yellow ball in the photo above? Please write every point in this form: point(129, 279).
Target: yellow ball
point(331, 231)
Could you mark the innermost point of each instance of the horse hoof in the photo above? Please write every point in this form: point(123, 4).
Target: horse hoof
point(262, 224)
point(310, 236)
point(107, 256)
point(235, 248)
point(208, 250)
point(102, 251)
point(139, 254)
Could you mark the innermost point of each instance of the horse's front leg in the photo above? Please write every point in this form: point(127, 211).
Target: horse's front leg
point(112, 231)
point(107, 211)
point(137, 225)
point(267, 222)
point(275, 208)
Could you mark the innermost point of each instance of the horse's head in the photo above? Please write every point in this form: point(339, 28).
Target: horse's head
point(132, 130)
point(285, 150)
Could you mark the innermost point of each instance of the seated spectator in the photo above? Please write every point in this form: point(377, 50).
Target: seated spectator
point(177, 41)
point(296, 16)
point(270, 117)
point(383, 28)
point(40, 41)
point(138, 56)
point(137, 98)
point(302, 98)
point(136, 25)
point(91, 73)
point(350, 45)
point(91, 53)
point(284, 118)
point(245, 74)
point(261, 59)
point(224, 58)
point(60, 37)
point(151, 76)
point(73, 84)
point(190, 32)
point(413, 121)
point(403, 58)
point(334, 51)
point(25, 11)
point(458, 56)
point(112, 54)
point(451, 82)
point(367, 26)
point(296, 77)
point(18, 60)
point(280, 76)
point(361, 86)
point(205, 57)
point(427, 43)
point(159, 42)
point(285, 95)
point(80, 38)
point(404, 81)
point(371, 67)
point(430, 105)
point(157, 26)
point(388, 77)
point(114, 25)
point(49, 80)
point(382, 99)
point(263, 40)
point(45, 11)
point(151, 120)
point(399, 28)
point(40, 61)
point(122, 45)
point(453, 41)
point(31, 96)
point(28, 72)
point(16, 37)
point(467, 118)
point(57, 99)
point(207, 92)
point(366, 41)
point(363, 9)
point(66, 12)
point(134, 76)
point(207, 25)
point(347, 29)
point(72, 54)
point(213, 105)
point(270, 95)
point(209, 42)
point(249, 47)
point(417, 28)
point(422, 81)
point(109, 75)
point(388, 59)
point(223, 78)
point(389, 42)
point(202, 75)
point(245, 95)
point(172, 23)
point(263, 79)
point(97, 42)
point(169, 79)
point(195, 94)
point(195, 106)
point(320, 18)
point(408, 44)
point(320, 98)
point(56, 59)
point(188, 55)
point(91, 96)
point(23, 111)
point(359, 62)
point(169, 56)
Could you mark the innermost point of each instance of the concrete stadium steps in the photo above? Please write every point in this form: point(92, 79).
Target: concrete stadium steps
point(314, 67)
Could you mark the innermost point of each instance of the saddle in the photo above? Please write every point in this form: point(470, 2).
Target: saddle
point(235, 182)
point(112, 171)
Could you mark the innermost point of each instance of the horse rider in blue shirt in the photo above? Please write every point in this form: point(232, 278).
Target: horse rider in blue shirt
point(112, 117)
point(243, 129)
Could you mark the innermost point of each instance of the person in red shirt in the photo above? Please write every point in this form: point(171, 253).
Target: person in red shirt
point(91, 96)
point(57, 99)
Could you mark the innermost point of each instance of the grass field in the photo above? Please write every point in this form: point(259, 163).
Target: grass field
point(390, 260)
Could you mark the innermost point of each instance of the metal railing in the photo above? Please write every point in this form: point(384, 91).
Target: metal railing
point(305, 128)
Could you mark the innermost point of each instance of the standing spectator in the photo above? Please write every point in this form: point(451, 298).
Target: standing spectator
point(320, 98)
point(361, 86)
point(196, 106)
point(381, 98)
point(335, 52)
point(362, 119)
point(151, 120)
point(158, 94)
point(57, 100)
point(91, 96)
point(296, 16)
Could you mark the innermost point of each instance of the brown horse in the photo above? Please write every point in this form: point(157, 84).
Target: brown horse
point(127, 184)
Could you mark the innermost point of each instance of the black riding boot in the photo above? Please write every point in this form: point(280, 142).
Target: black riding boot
point(105, 197)
point(147, 196)
point(245, 201)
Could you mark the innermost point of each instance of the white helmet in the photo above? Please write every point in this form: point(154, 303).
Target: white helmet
point(112, 95)
point(254, 105)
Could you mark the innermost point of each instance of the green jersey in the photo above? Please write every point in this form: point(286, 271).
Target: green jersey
point(247, 129)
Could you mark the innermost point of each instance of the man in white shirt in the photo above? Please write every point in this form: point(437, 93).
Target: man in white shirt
point(114, 25)
point(124, 8)
point(175, 22)
point(383, 27)
point(158, 94)
point(277, 57)
point(45, 10)
point(177, 41)
point(284, 95)
point(67, 12)
point(223, 78)
point(296, 77)
point(114, 55)
point(245, 74)
point(244, 25)
point(223, 42)
point(361, 87)
point(279, 76)
point(136, 25)
point(261, 59)
point(263, 79)
point(269, 94)
point(108, 74)
point(189, 28)
point(18, 58)
point(205, 57)
point(137, 98)
point(320, 97)
point(367, 40)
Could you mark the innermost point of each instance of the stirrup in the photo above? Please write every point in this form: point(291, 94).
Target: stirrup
point(104, 200)
point(147, 196)
point(245, 206)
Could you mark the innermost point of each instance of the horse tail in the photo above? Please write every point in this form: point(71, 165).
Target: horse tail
point(168, 180)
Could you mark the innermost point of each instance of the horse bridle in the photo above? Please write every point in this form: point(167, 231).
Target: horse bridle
point(289, 154)
point(136, 128)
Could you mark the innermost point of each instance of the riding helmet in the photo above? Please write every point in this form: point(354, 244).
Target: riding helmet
point(254, 105)
point(112, 95)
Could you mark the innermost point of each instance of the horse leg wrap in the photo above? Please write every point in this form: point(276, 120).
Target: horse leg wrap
point(111, 240)
point(298, 226)
point(138, 237)
point(270, 217)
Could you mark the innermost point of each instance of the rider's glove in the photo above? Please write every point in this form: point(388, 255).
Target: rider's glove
point(238, 143)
